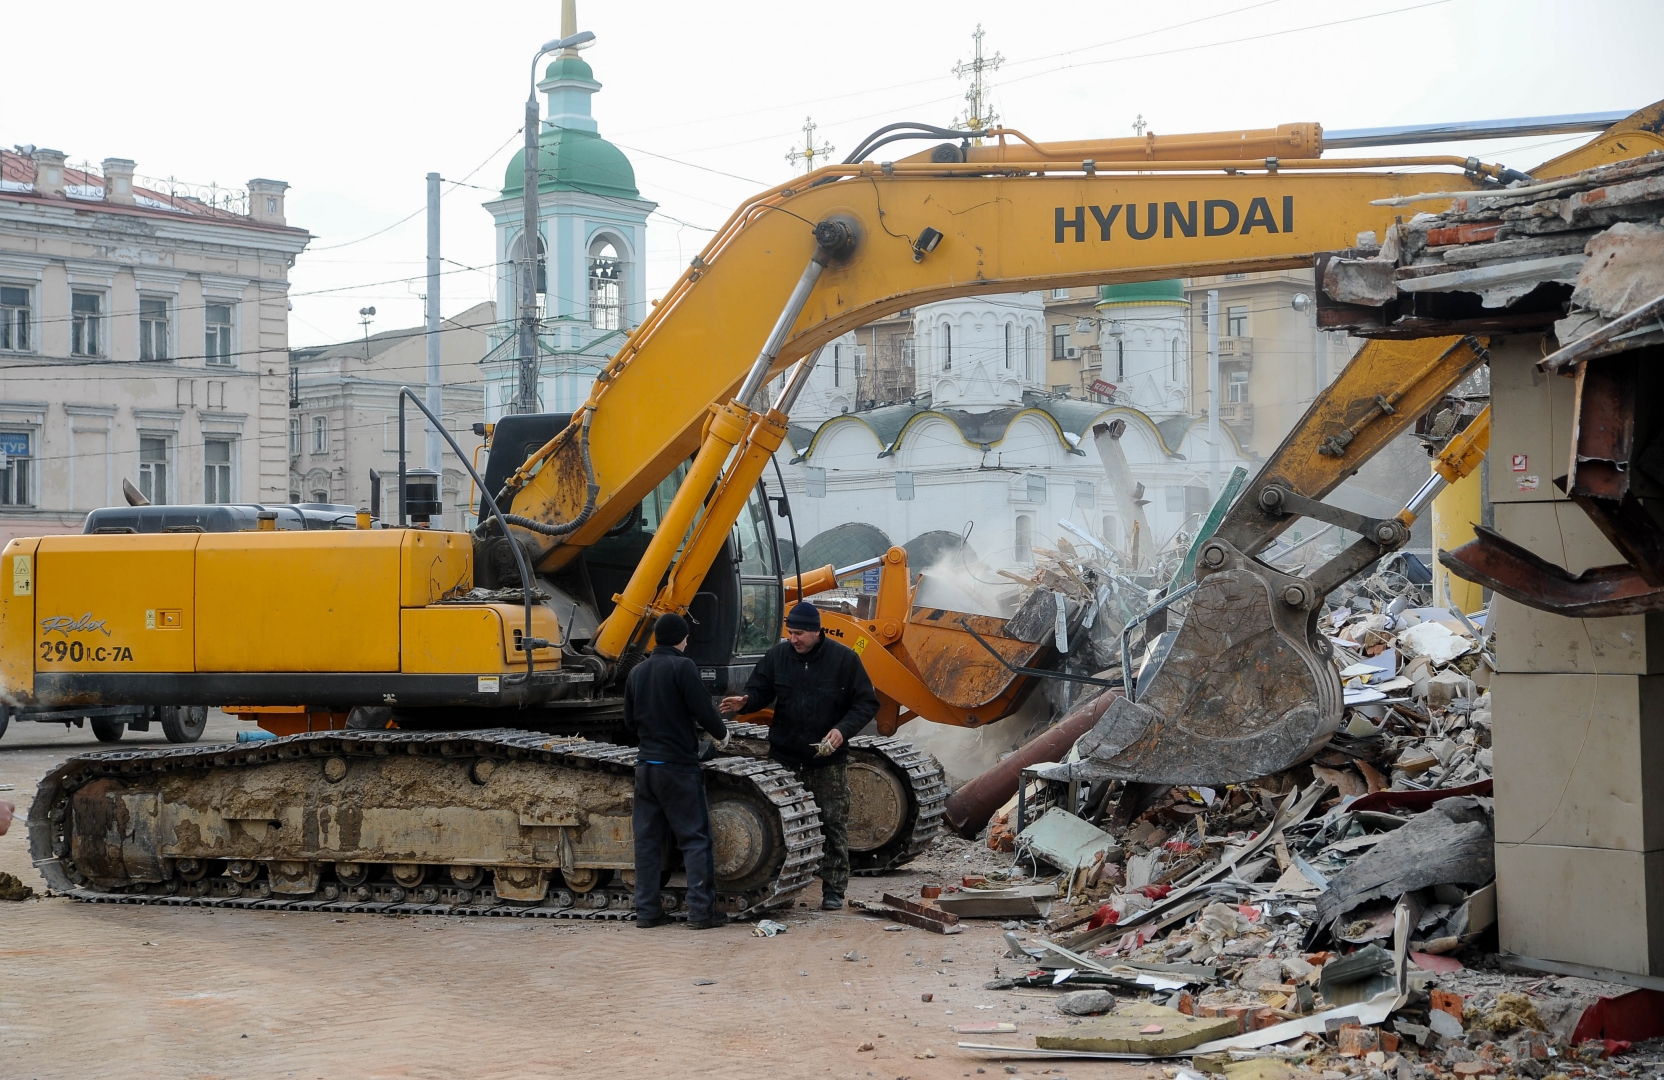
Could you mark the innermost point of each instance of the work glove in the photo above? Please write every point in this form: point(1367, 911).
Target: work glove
point(824, 748)
point(727, 741)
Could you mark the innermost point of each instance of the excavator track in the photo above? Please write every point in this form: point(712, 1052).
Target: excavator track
point(898, 795)
point(324, 821)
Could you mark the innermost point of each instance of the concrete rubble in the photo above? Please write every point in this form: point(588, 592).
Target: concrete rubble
point(1335, 920)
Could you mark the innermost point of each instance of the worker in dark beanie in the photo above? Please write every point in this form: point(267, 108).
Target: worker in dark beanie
point(665, 705)
point(821, 697)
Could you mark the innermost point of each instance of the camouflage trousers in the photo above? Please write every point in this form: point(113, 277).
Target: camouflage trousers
point(829, 784)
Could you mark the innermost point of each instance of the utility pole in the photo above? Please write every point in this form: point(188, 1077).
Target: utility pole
point(979, 113)
point(1213, 393)
point(810, 151)
point(525, 401)
point(434, 401)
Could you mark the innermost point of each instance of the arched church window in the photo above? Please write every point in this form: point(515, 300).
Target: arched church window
point(517, 267)
point(1178, 370)
point(947, 347)
point(606, 286)
point(1023, 547)
point(1120, 359)
point(1028, 354)
point(1010, 341)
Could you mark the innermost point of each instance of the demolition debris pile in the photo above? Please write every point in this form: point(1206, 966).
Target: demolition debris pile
point(1305, 922)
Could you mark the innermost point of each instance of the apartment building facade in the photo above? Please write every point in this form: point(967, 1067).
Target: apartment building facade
point(145, 338)
point(344, 414)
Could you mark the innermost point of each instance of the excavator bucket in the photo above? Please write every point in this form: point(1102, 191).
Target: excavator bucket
point(1246, 687)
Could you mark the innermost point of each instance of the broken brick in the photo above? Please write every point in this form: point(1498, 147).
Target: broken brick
point(1446, 1002)
point(1356, 1041)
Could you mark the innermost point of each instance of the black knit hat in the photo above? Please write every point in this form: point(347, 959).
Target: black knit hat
point(803, 616)
point(670, 629)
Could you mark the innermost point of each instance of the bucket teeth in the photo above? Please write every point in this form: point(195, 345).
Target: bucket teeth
point(1244, 689)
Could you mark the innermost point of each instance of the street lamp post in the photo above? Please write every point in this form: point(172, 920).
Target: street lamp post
point(526, 398)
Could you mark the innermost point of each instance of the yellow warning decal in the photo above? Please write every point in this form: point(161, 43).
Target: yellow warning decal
point(860, 645)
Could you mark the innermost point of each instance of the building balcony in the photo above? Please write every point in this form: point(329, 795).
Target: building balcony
point(1236, 349)
point(1239, 415)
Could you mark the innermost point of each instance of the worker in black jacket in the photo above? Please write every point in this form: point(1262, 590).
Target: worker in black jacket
point(821, 697)
point(665, 705)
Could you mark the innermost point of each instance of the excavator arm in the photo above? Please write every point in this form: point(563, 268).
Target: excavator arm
point(850, 243)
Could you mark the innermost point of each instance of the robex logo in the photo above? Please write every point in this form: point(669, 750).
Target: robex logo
point(1214, 217)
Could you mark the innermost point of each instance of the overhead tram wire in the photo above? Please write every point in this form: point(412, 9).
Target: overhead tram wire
point(942, 78)
point(423, 208)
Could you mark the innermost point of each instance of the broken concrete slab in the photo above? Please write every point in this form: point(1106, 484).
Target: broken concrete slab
point(1022, 902)
point(1127, 1032)
point(1451, 843)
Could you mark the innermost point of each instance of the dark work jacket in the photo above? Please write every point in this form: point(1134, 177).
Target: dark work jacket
point(664, 706)
point(812, 693)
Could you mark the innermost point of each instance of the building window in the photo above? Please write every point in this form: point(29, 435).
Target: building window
point(1236, 386)
point(904, 486)
point(1036, 488)
point(155, 460)
point(1023, 546)
point(947, 347)
point(1177, 372)
point(216, 470)
point(1236, 277)
point(14, 318)
point(1120, 359)
point(86, 313)
point(153, 328)
point(1060, 341)
point(294, 439)
point(1086, 495)
point(1236, 320)
point(1028, 354)
point(216, 343)
point(320, 434)
point(320, 496)
point(814, 482)
point(1110, 529)
point(837, 365)
point(606, 286)
point(1010, 343)
point(15, 460)
point(907, 350)
point(1060, 294)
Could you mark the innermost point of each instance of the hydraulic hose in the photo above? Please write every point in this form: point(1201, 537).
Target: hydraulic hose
point(565, 528)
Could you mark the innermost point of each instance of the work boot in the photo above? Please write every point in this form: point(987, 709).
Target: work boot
point(651, 921)
point(831, 902)
point(718, 918)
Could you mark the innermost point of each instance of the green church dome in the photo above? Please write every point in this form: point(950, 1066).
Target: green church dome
point(573, 160)
point(569, 67)
point(1170, 291)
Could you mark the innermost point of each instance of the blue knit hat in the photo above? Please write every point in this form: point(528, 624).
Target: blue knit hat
point(803, 616)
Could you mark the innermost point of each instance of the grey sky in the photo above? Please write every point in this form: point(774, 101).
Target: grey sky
point(354, 103)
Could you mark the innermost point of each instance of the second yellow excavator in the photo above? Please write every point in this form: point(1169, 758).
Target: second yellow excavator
point(491, 653)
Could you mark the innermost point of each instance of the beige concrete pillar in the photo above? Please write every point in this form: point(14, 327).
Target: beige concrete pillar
point(1578, 715)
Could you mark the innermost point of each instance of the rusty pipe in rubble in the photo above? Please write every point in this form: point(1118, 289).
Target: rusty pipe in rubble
point(970, 807)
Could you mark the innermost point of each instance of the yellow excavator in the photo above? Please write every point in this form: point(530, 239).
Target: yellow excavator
point(434, 688)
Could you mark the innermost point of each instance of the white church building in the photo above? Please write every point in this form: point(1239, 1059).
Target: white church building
point(985, 454)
